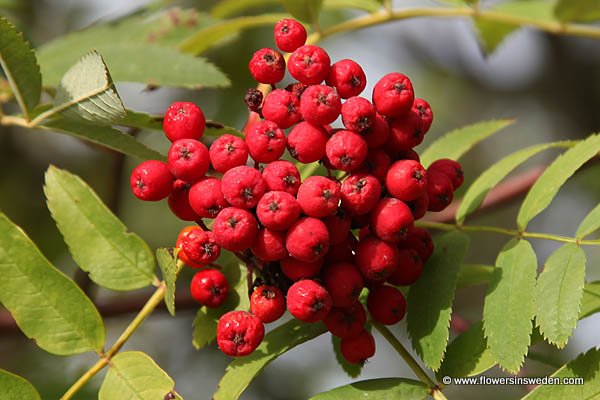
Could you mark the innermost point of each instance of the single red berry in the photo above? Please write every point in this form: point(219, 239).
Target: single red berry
point(308, 301)
point(227, 152)
point(209, 287)
point(346, 321)
point(282, 176)
point(267, 303)
point(278, 210)
point(377, 163)
point(188, 160)
point(393, 95)
point(405, 133)
point(201, 247)
point(266, 141)
point(184, 120)
point(235, 229)
point(206, 197)
point(391, 220)
point(358, 114)
point(409, 269)
point(376, 259)
point(386, 304)
point(320, 104)
point(179, 245)
point(151, 180)
point(422, 108)
point(239, 333)
point(309, 64)
point(360, 193)
point(270, 245)
point(289, 34)
point(343, 252)
point(347, 77)
point(420, 240)
point(346, 150)
point(406, 155)
point(338, 226)
point(358, 348)
point(282, 107)
point(243, 186)
point(377, 135)
point(406, 180)
point(344, 283)
point(296, 269)
point(267, 66)
point(306, 142)
point(418, 207)
point(319, 196)
point(307, 239)
point(179, 201)
point(452, 169)
point(439, 190)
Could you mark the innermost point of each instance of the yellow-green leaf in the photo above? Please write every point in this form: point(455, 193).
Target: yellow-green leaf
point(590, 304)
point(590, 224)
point(577, 10)
point(13, 387)
point(167, 261)
point(377, 389)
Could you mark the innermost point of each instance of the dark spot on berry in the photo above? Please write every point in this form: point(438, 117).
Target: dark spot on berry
point(273, 206)
point(247, 193)
point(321, 98)
point(285, 29)
point(184, 152)
point(327, 194)
point(268, 294)
point(215, 290)
point(318, 249)
point(230, 148)
point(269, 58)
point(213, 211)
point(140, 184)
point(318, 305)
point(232, 222)
point(417, 175)
point(238, 339)
point(398, 87)
point(270, 134)
point(444, 198)
point(354, 81)
point(289, 180)
point(293, 152)
point(345, 159)
point(181, 111)
point(307, 60)
point(291, 109)
point(417, 133)
point(364, 123)
point(209, 249)
point(361, 183)
point(458, 172)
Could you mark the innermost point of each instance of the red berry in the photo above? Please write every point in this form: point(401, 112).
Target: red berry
point(358, 114)
point(188, 160)
point(289, 34)
point(278, 210)
point(391, 220)
point(179, 244)
point(452, 169)
point(319, 196)
point(307, 239)
point(267, 303)
point(206, 197)
point(376, 259)
point(347, 77)
point(360, 193)
point(418, 207)
point(405, 133)
point(343, 282)
point(409, 269)
point(320, 104)
point(282, 176)
point(338, 226)
point(306, 142)
point(184, 120)
point(358, 348)
point(386, 304)
point(151, 180)
point(346, 321)
point(406, 180)
point(209, 287)
point(346, 150)
point(296, 269)
point(266, 141)
point(200, 247)
point(227, 152)
point(267, 66)
point(377, 164)
point(393, 95)
point(309, 64)
point(439, 190)
point(179, 201)
point(421, 108)
point(270, 245)
point(282, 107)
point(407, 155)
point(243, 187)
point(419, 239)
point(377, 135)
point(239, 333)
point(235, 229)
point(308, 301)
point(343, 252)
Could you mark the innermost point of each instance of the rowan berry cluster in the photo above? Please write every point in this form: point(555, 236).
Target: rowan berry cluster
point(316, 243)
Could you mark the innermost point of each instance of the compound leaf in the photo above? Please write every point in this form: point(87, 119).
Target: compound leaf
point(167, 263)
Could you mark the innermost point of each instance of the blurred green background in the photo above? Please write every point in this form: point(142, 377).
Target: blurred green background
point(549, 84)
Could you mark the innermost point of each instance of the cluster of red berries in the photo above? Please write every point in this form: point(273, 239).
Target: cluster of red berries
point(300, 235)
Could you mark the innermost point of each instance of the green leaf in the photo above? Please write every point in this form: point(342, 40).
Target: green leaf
point(369, 6)
point(229, 8)
point(13, 387)
point(587, 367)
point(352, 370)
point(306, 11)
point(491, 33)
point(168, 266)
point(141, 120)
point(493, 175)
point(97, 239)
point(216, 129)
point(377, 389)
point(468, 354)
point(474, 274)
point(104, 136)
point(215, 34)
point(429, 315)
point(559, 291)
point(20, 67)
point(590, 223)
point(548, 185)
point(47, 306)
point(590, 304)
point(577, 10)
point(509, 304)
point(457, 142)
point(134, 375)
point(240, 373)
